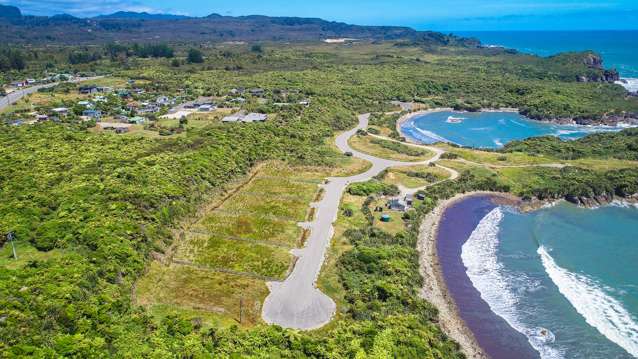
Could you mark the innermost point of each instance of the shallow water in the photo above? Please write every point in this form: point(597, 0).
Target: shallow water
point(563, 277)
point(488, 129)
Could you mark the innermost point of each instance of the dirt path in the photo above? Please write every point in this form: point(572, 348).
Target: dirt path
point(296, 302)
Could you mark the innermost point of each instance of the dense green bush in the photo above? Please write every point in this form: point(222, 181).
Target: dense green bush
point(371, 187)
point(622, 145)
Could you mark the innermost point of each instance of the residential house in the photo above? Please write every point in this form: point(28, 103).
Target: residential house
point(148, 108)
point(257, 92)
point(124, 93)
point(88, 90)
point(234, 118)
point(397, 204)
point(138, 120)
point(41, 118)
point(247, 118)
point(122, 118)
point(207, 108)
point(132, 106)
point(92, 114)
point(61, 111)
point(163, 100)
point(255, 117)
point(117, 127)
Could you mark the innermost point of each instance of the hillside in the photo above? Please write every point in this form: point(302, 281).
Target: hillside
point(141, 27)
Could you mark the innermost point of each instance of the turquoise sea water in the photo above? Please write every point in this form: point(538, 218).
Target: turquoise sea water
point(565, 277)
point(488, 129)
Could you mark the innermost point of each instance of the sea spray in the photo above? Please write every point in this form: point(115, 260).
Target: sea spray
point(631, 84)
point(489, 277)
point(600, 310)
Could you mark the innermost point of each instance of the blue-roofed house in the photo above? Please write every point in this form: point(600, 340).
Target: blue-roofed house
point(93, 114)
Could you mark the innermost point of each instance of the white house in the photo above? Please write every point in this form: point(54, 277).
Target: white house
point(207, 108)
point(255, 117)
point(61, 110)
point(247, 118)
point(163, 100)
point(233, 118)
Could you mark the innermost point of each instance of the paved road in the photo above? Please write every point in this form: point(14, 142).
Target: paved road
point(296, 302)
point(15, 96)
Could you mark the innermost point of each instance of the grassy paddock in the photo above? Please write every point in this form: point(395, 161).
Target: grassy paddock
point(213, 295)
point(411, 177)
point(250, 234)
point(375, 147)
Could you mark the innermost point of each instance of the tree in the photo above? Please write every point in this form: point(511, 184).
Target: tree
point(257, 48)
point(195, 56)
point(11, 59)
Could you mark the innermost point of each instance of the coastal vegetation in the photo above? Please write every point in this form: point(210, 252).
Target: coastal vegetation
point(622, 145)
point(123, 246)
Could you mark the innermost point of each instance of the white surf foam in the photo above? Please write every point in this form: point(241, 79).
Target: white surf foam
point(431, 135)
point(623, 204)
point(600, 310)
point(487, 274)
point(631, 84)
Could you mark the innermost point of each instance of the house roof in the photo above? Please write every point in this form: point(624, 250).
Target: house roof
point(114, 125)
point(255, 117)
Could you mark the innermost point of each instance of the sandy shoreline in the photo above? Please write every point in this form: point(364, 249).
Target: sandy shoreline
point(434, 287)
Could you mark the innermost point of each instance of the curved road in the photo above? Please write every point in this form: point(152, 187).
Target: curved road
point(296, 302)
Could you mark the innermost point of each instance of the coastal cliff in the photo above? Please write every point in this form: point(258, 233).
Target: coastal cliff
point(595, 61)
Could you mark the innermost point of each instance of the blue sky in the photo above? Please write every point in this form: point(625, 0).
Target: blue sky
point(445, 15)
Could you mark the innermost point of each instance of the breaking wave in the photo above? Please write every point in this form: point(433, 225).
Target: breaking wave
point(431, 135)
point(630, 84)
point(600, 310)
point(488, 276)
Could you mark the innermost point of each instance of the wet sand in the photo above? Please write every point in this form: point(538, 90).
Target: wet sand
point(434, 287)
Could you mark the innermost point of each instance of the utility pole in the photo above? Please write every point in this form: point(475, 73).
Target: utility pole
point(241, 309)
point(10, 238)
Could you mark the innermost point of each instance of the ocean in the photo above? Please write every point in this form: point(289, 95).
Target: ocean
point(559, 282)
point(618, 48)
point(488, 129)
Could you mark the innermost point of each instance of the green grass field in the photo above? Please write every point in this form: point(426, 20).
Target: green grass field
point(407, 176)
point(249, 234)
point(373, 146)
point(211, 295)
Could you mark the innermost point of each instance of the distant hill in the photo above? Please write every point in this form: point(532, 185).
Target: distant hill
point(144, 27)
point(141, 16)
point(9, 12)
